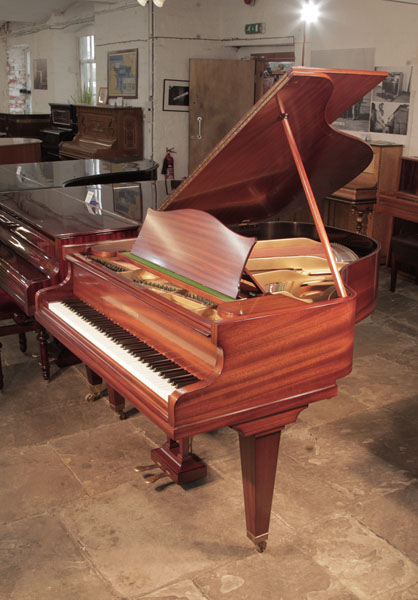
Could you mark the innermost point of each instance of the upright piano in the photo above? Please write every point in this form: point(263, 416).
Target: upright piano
point(63, 127)
point(201, 326)
point(106, 132)
point(36, 227)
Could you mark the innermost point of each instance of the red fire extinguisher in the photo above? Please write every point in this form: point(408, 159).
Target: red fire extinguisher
point(168, 164)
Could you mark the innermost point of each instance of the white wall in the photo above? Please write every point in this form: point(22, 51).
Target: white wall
point(166, 38)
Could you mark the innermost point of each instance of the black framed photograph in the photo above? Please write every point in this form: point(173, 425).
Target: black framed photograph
point(176, 95)
point(122, 74)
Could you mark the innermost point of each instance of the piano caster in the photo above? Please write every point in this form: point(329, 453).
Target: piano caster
point(94, 394)
point(261, 546)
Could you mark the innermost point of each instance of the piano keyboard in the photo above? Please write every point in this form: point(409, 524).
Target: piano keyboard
point(146, 364)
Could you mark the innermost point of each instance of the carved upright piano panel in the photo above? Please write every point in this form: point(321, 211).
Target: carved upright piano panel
point(106, 132)
point(201, 327)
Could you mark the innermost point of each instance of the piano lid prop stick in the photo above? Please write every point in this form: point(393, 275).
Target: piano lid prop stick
point(312, 202)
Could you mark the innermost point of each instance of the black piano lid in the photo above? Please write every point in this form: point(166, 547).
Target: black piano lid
point(52, 174)
point(251, 175)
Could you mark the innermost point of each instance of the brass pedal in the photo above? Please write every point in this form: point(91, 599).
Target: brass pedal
point(156, 477)
point(141, 468)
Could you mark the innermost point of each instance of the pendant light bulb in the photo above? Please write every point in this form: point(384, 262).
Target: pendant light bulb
point(142, 2)
point(159, 3)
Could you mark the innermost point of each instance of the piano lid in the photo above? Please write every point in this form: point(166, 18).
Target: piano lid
point(251, 174)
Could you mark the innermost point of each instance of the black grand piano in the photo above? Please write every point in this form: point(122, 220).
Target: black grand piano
point(215, 315)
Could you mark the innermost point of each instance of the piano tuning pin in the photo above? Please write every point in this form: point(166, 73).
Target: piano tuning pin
point(141, 468)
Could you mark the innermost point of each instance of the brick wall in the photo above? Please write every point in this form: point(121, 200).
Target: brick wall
point(16, 75)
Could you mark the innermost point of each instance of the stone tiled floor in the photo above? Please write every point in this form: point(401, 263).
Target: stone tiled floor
point(76, 520)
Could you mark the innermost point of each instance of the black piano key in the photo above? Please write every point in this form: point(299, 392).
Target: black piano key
point(167, 368)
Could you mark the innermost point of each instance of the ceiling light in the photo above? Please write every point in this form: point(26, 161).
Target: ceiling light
point(310, 12)
point(159, 3)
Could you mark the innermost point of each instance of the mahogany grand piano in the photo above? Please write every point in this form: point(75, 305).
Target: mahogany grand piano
point(201, 327)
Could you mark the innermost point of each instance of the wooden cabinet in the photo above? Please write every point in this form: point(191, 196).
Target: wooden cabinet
point(353, 207)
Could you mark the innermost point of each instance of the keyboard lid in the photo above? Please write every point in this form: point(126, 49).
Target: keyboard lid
point(251, 174)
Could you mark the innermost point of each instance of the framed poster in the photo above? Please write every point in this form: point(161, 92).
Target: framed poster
point(122, 74)
point(40, 76)
point(176, 95)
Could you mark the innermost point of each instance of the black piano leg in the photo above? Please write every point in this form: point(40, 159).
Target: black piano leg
point(95, 382)
point(42, 338)
point(258, 464)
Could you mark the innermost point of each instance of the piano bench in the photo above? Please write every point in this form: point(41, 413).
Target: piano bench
point(404, 252)
point(9, 311)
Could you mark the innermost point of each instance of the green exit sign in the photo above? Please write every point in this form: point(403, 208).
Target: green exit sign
point(255, 28)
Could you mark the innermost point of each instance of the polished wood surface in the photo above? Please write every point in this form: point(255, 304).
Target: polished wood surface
point(167, 240)
point(71, 173)
point(258, 360)
point(23, 125)
point(19, 150)
point(251, 175)
point(106, 132)
point(353, 207)
point(401, 203)
point(35, 228)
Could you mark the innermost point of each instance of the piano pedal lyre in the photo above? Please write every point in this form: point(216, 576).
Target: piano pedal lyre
point(175, 460)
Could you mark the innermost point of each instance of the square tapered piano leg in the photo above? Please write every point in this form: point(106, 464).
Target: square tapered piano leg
point(258, 464)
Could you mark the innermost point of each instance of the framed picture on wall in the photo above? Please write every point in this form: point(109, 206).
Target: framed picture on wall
point(176, 95)
point(122, 74)
point(102, 96)
point(40, 76)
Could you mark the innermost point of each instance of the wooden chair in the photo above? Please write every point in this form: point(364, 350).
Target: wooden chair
point(404, 250)
point(22, 323)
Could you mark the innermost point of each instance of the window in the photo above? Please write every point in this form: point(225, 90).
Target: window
point(88, 65)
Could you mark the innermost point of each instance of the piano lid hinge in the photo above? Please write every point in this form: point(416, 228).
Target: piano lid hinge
point(283, 116)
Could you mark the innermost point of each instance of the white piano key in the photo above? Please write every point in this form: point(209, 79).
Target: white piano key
point(136, 367)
